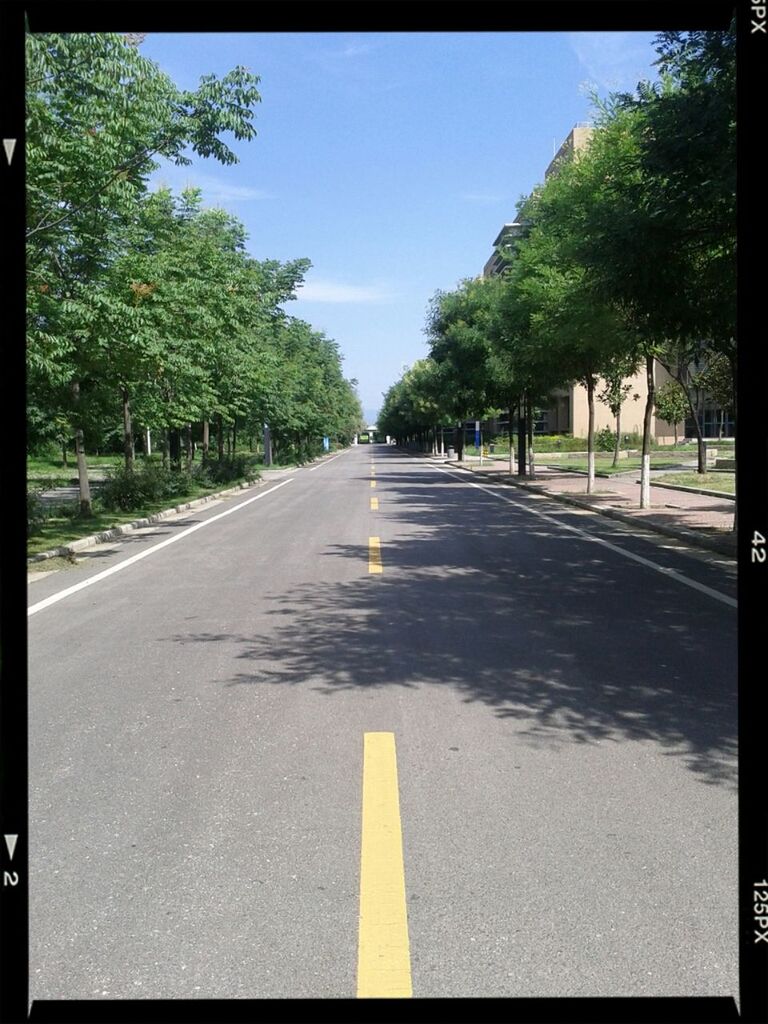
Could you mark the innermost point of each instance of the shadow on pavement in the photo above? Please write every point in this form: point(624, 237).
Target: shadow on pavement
point(539, 632)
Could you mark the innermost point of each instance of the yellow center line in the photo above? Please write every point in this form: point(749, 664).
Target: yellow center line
point(373, 483)
point(374, 504)
point(374, 554)
point(383, 953)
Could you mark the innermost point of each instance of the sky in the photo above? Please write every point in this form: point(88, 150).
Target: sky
point(391, 161)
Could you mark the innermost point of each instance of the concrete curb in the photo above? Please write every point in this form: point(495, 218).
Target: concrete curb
point(723, 545)
point(693, 490)
point(119, 531)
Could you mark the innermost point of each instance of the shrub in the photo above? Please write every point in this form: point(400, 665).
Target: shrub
point(36, 513)
point(123, 489)
point(238, 468)
point(605, 440)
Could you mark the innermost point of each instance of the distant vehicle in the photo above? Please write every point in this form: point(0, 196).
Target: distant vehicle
point(364, 438)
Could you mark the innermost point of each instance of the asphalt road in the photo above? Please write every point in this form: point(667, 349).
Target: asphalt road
point(564, 716)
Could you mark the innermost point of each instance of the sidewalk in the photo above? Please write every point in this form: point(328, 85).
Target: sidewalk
point(700, 519)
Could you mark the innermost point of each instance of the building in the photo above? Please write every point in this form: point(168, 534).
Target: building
point(569, 412)
point(501, 245)
point(576, 141)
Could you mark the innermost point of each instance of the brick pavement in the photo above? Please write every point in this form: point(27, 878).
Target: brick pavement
point(701, 519)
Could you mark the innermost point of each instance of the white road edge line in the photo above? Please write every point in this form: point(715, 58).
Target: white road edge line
point(320, 466)
point(664, 570)
point(149, 551)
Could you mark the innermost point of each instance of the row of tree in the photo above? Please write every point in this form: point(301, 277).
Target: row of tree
point(625, 257)
point(145, 311)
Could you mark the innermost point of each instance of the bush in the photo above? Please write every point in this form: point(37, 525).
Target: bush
point(124, 489)
point(36, 513)
point(605, 440)
point(238, 468)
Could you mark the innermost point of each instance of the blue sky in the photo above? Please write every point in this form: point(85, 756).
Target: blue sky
point(391, 161)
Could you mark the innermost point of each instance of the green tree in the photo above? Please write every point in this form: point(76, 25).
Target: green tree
point(97, 115)
point(672, 403)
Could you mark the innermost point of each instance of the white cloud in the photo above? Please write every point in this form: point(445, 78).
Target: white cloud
point(355, 51)
point(615, 60)
point(214, 189)
point(334, 291)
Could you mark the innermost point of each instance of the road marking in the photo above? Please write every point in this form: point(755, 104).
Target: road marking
point(373, 483)
point(373, 471)
point(664, 570)
point(374, 554)
point(374, 504)
point(383, 953)
point(321, 464)
point(149, 551)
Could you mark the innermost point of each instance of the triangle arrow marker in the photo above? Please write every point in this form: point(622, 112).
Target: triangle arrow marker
point(9, 145)
point(10, 842)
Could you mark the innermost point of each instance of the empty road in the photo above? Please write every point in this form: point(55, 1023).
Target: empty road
point(514, 719)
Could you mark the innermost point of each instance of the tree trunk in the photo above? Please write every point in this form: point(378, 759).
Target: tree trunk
point(645, 473)
point(511, 443)
point(220, 436)
point(618, 438)
point(681, 376)
point(188, 454)
point(64, 454)
point(206, 440)
point(229, 442)
point(234, 437)
point(127, 429)
point(522, 432)
point(590, 433)
point(529, 414)
point(164, 447)
point(269, 448)
point(174, 441)
point(699, 416)
point(86, 508)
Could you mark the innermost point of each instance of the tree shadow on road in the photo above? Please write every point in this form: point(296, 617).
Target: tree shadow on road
point(518, 615)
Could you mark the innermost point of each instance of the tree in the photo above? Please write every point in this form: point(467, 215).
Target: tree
point(672, 403)
point(616, 390)
point(575, 334)
point(457, 330)
point(97, 115)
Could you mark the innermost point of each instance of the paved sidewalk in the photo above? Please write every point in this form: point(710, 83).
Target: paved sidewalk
point(700, 519)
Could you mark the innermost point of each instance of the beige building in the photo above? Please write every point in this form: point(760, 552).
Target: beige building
point(569, 413)
point(576, 141)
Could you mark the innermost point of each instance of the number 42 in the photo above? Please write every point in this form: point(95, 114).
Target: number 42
point(758, 547)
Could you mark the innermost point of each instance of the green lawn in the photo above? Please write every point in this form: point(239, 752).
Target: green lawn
point(722, 481)
point(604, 462)
point(59, 530)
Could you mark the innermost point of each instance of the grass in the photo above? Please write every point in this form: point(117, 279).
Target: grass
point(52, 564)
point(604, 460)
point(59, 530)
point(721, 481)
